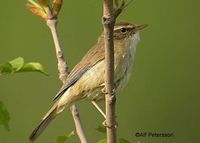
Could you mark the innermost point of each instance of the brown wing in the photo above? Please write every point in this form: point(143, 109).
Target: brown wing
point(92, 57)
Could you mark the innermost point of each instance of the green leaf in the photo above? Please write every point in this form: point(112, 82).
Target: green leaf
point(12, 66)
point(4, 116)
point(33, 67)
point(35, 4)
point(44, 2)
point(116, 3)
point(63, 139)
point(17, 64)
point(102, 141)
point(122, 140)
point(71, 134)
point(101, 129)
point(6, 68)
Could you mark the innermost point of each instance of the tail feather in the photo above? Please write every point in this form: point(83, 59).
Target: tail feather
point(43, 124)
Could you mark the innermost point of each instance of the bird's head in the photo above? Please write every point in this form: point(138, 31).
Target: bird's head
point(126, 30)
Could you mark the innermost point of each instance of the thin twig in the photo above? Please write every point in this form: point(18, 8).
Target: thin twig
point(63, 73)
point(108, 21)
point(78, 125)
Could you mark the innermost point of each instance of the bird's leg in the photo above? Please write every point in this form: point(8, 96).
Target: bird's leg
point(96, 105)
point(103, 114)
point(99, 109)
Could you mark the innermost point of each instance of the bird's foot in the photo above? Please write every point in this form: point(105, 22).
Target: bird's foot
point(105, 92)
point(115, 125)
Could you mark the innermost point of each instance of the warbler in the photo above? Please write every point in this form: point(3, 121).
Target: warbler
point(86, 80)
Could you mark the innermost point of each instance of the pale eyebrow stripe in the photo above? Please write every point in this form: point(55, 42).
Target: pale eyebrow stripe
point(117, 28)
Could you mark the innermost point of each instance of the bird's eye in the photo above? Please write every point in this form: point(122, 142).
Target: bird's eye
point(123, 30)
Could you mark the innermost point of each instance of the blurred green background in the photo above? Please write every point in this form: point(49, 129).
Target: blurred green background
point(163, 94)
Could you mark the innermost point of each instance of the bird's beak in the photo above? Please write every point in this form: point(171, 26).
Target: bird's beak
point(140, 27)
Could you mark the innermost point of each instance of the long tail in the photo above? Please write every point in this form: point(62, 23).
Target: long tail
point(50, 115)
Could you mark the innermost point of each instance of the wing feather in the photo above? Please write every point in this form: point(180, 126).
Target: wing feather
point(92, 57)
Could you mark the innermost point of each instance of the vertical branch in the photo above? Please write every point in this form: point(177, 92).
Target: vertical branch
point(108, 21)
point(63, 73)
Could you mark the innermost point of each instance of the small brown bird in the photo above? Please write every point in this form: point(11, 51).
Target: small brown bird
point(86, 79)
